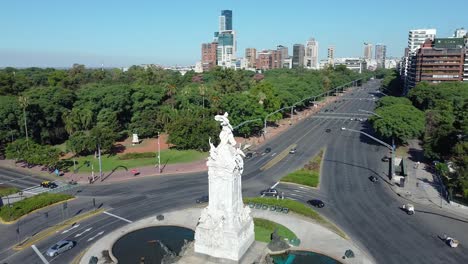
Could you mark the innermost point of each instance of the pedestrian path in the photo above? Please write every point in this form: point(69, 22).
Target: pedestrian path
point(424, 187)
point(35, 190)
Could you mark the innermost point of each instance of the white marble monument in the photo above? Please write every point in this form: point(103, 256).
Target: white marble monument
point(225, 228)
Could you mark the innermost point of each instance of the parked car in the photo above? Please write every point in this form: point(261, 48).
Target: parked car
point(316, 202)
point(203, 199)
point(269, 192)
point(48, 184)
point(249, 155)
point(385, 159)
point(267, 150)
point(373, 178)
point(60, 247)
point(292, 151)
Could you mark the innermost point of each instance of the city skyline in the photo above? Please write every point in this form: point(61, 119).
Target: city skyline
point(50, 34)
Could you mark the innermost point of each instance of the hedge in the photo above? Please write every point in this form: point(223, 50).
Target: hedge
point(30, 204)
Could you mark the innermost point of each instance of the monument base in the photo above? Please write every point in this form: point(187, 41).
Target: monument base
point(217, 237)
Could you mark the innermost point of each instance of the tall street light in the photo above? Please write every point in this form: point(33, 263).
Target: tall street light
point(24, 102)
point(392, 148)
point(159, 155)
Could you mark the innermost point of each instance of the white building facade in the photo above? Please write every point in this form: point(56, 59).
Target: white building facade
point(311, 54)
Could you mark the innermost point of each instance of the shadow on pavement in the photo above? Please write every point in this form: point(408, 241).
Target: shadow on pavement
point(441, 215)
point(108, 175)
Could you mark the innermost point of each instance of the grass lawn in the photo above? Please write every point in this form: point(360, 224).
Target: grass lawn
point(111, 162)
point(402, 151)
point(5, 191)
point(297, 208)
point(309, 175)
point(30, 204)
point(263, 229)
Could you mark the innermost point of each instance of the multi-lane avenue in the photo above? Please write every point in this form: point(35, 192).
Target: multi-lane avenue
point(368, 212)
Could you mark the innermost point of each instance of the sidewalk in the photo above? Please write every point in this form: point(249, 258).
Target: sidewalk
point(313, 236)
point(422, 186)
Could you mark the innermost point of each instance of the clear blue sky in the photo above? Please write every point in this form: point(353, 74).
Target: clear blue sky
point(121, 33)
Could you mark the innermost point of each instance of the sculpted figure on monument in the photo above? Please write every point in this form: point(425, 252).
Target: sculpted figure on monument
point(226, 135)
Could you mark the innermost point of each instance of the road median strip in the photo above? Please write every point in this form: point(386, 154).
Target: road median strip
point(278, 158)
point(55, 229)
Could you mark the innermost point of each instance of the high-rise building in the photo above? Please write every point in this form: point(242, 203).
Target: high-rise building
point(417, 37)
point(311, 54)
point(226, 38)
point(380, 55)
point(209, 59)
point(331, 55)
point(225, 20)
point(269, 59)
point(284, 53)
point(298, 56)
point(264, 60)
point(226, 52)
point(460, 33)
point(438, 60)
point(251, 57)
point(367, 51)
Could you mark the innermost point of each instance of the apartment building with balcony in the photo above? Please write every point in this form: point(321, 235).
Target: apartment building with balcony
point(440, 60)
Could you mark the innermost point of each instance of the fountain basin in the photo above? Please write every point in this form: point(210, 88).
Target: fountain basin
point(151, 243)
point(303, 257)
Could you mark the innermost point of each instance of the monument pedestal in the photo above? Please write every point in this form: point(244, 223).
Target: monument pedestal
point(218, 237)
point(225, 228)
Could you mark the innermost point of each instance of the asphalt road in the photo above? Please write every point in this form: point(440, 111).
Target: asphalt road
point(13, 178)
point(368, 212)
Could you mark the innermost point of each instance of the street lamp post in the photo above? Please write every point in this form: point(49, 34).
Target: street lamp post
point(100, 162)
point(159, 155)
point(392, 148)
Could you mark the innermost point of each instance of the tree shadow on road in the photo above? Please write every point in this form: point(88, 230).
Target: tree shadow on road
point(384, 178)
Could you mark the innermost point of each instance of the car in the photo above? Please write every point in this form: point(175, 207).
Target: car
point(328, 130)
point(352, 119)
point(60, 247)
point(48, 184)
point(269, 192)
point(316, 202)
point(385, 159)
point(267, 150)
point(372, 178)
point(203, 199)
point(249, 155)
point(292, 151)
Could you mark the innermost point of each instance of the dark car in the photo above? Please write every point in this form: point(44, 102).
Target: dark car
point(385, 159)
point(373, 178)
point(249, 155)
point(316, 202)
point(267, 150)
point(203, 199)
point(48, 184)
point(328, 130)
point(269, 192)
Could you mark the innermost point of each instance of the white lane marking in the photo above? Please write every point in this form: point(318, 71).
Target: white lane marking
point(39, 254)
point(98, 234)
point(116, 216)
point(294, 194)
point(302, 187)
point(274, 185)
point(86, 230)
point(273, 154)
point(30, 192)
point(68, 230)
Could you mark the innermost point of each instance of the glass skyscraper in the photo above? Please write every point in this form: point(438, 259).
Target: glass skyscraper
point(226, 19)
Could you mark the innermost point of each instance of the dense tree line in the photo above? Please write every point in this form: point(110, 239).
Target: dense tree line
point(90, 107)
point(436, 113)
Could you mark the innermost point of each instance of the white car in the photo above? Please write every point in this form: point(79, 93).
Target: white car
point(60, 247)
